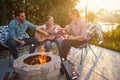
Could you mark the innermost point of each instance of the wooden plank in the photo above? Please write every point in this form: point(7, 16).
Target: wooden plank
point(105, 67)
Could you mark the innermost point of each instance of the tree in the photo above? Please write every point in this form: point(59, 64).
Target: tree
point(37, 10)
point(90, 17)
point(7, 8)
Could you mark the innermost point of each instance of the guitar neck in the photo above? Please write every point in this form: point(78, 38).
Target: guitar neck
point(41, 37)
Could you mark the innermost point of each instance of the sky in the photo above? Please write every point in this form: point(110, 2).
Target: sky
point(98, 4)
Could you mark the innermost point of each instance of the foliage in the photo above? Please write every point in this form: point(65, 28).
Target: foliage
point(7, 8)
point(111, 40)
point(37, 10)
point(56, 8)
point(90, 16)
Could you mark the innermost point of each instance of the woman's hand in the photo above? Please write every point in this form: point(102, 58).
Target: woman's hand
point(46, 33)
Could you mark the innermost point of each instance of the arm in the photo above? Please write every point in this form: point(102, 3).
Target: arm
point(75, 37)
point(19, 41)
point(66, 28)
point(80, 34)
point(39, 29)
point(12, 30)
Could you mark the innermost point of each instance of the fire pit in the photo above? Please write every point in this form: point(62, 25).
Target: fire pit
point(37, 59)
point(29, 67)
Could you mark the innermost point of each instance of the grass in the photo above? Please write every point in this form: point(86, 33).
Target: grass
point(112, 44)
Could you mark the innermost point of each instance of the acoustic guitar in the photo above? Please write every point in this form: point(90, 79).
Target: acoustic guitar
point(52, 35)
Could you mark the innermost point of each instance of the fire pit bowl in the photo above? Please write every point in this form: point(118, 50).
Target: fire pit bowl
point(37, 71)
point(34, 59)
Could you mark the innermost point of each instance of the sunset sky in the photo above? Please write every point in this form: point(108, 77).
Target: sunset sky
point(98, 4)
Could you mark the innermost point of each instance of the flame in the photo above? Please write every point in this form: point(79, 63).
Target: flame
point(42, 57)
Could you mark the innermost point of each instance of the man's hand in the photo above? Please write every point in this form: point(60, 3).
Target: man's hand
point(19, 41)
point(22, 43)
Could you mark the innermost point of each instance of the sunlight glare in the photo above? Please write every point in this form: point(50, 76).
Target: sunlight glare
point(95, 4)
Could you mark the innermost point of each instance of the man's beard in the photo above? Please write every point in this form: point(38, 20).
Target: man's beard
point(22, 20)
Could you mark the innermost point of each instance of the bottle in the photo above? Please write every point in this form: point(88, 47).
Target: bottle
point(42, 48)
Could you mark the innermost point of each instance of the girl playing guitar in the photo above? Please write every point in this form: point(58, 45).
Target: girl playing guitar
point(52, 30)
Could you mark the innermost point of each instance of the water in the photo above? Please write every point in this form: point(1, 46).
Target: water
point(108, 26)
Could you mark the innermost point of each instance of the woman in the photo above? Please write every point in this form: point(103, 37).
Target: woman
point(52, 28)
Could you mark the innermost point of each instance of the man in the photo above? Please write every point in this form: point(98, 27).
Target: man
point(17, 28)
point(78, 36)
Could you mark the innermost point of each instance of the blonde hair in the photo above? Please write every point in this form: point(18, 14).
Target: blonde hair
point(48, 17)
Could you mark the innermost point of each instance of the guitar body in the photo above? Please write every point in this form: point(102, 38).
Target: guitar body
point(41, 37)
point(52, 35)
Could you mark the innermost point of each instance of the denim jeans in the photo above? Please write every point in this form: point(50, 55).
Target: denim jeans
point(13, 45)
point(49, 43)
